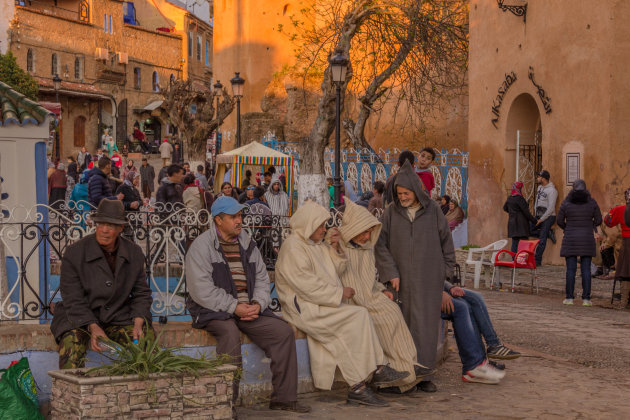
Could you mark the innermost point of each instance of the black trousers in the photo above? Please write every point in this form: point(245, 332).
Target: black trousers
point(275, 337)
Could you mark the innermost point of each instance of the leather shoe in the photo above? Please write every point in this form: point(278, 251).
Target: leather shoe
point(366, 397)
point(289, 406)
point(422, 371)
point(387, 376)
point(427, 386)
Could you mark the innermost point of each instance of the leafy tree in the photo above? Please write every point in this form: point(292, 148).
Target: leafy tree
point(18, 79)
point(409, 53)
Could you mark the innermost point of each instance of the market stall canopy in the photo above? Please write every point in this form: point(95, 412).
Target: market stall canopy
point(253, 154)
point(253, 149)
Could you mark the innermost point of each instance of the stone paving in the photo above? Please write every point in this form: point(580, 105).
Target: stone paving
point(574, 365)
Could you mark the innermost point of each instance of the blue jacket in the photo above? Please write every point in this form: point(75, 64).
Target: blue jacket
point(98, 187)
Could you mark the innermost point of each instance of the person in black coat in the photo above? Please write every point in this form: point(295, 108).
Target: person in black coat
point(128, 188)
point(579, 216)
point(98, 185)
point(170, 191)
point(519, 215)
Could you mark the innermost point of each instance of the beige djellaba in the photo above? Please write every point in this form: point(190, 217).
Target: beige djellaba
point(340, 335)
point(360, 274)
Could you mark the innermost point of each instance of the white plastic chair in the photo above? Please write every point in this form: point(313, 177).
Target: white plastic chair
point(478, 257)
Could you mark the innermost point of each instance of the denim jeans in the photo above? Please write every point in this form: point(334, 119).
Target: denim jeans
point(481, 318)
point(585, 268)
point(542, 232)
point(471, 349)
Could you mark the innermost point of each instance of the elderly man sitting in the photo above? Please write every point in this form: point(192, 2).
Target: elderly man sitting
point(229, 293)
point(104, 289)
point(312, 297)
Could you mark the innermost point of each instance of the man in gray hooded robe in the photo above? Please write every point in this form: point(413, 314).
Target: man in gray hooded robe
point(415, 254)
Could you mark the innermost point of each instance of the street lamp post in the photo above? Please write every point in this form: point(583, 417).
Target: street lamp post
point(237, 90)
point(339, 67)
point(56, 85)
point(218, 88)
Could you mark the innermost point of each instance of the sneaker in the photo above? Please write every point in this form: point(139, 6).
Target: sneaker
point(552, 235)
point(502, 352)
point(567, 302)
point(366, 397)
point(496, 365)
point(587, 302)
point(484, 374)
point(388, 376)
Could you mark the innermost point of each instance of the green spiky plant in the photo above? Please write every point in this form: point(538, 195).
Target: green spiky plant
point(146, 357)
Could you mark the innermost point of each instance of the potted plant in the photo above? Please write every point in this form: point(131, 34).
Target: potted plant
point(144, 381)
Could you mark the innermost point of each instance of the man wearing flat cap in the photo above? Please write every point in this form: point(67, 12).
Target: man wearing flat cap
point(104, 290)
point(228, 288)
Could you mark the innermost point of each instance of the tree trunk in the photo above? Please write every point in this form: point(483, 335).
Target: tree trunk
point(312, 181)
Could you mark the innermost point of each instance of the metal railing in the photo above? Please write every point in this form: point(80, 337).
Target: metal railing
point(34, 240)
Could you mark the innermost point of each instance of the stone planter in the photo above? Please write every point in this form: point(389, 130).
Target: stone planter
point(161, 396)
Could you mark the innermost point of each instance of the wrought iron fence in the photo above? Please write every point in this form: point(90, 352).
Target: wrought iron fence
point(34, 241)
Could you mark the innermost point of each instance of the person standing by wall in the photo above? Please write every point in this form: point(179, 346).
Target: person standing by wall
point(579, 216)
point(165, 152)
point(519, 215)
point(147, 176)
point(545, 208)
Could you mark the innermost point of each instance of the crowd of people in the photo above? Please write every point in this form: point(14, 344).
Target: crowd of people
point(369, 295)
point(86, 179)
point(594, 239)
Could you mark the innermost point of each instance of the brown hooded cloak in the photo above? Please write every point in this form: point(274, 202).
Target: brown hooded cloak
point(421, 254)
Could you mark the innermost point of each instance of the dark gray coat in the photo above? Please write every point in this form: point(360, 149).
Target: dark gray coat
point(519, 216)
point(578, 216)
point(147, 176)
point(421, 254)
point(91, 293)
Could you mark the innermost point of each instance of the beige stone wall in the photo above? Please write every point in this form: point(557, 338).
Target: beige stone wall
point(160, 397)
point(579, 54)
point(246, 40)
point(6, 15)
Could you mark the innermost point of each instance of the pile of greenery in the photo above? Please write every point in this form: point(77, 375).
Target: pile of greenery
point(146, 357)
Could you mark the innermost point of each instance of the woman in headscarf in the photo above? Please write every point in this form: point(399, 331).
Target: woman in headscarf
point(455, 215)
point(359, 234)
point(579, 216)
point(129, 188)
point(444, 203)
point(519, 215)
point(129, 168)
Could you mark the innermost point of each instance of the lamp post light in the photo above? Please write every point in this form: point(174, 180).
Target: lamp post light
point(57, 85)
point(237, 90)
point(339, 68)
point(218, 88)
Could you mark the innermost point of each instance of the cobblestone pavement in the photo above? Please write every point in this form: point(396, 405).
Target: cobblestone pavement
point(574, 365)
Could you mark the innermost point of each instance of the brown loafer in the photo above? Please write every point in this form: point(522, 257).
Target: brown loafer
point(289, 406)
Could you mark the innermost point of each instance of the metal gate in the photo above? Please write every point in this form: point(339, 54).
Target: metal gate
point(529, 162)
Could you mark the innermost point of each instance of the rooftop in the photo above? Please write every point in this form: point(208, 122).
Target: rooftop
point(16, 108)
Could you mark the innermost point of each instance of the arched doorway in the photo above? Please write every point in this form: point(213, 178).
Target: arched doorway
point(523, 141)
